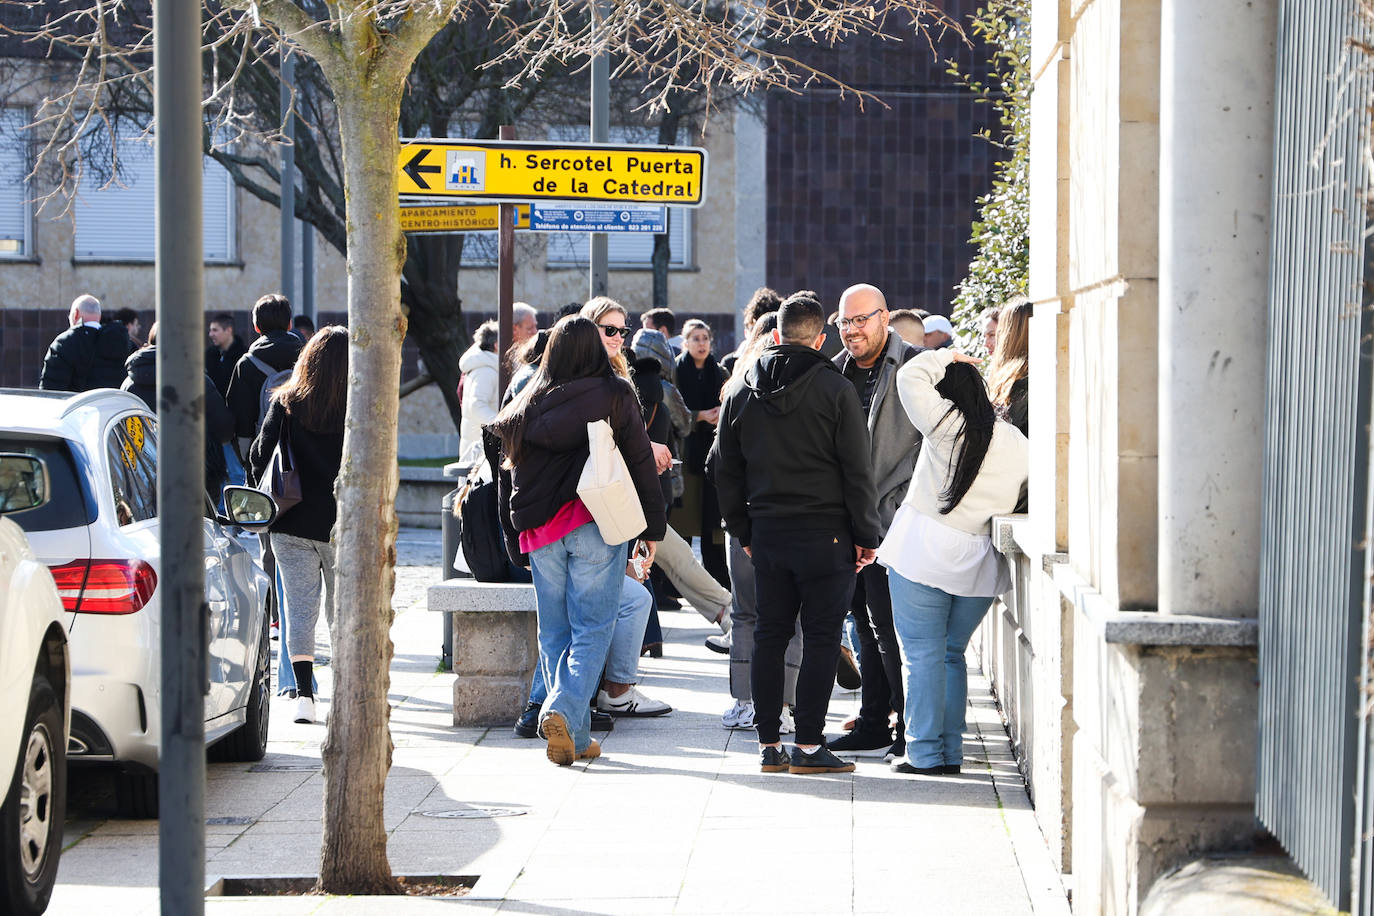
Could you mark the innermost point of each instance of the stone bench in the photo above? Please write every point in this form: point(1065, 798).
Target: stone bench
point(495, 647)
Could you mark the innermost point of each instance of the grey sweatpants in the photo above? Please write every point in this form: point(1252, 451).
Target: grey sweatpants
point(744, 613)
point(302, 565)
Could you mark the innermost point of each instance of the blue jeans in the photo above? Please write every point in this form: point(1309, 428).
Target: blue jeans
point(577, 584)
point(934, 626)
point(622, 660)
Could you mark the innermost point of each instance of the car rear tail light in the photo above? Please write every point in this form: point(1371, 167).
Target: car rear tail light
point(105, 586)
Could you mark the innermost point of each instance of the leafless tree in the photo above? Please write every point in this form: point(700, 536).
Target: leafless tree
point(365, 51)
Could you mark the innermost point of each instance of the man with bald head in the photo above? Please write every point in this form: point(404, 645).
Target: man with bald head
point(87, 355)
point(873, 352)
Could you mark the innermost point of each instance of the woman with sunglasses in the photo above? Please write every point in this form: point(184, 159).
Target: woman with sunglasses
point(577, 575)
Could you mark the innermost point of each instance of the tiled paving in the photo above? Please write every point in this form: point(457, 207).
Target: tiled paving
point(674, 818)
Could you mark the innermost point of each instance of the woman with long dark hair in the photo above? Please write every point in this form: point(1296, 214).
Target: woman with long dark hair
point(577, 575)
point(308, 412)
point(700, 379)
point(942, 567)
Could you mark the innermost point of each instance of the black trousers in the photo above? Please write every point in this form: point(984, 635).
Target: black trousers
point(798, 573)
point(880, 658)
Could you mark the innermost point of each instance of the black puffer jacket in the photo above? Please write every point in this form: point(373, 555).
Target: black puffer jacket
point(318, 456)
point(555, 451)
point(648, 379)
point(279, 350)
point(82, 358)
point(792, 444)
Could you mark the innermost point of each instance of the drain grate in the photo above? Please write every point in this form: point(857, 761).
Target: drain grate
point(479, 811)
point(304, 766)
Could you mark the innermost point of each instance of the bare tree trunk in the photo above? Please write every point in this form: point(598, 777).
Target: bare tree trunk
point(357, 747)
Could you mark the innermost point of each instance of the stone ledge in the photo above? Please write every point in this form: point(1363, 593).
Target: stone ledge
point(462, 596)
point(414, 474)
point(1150, 628)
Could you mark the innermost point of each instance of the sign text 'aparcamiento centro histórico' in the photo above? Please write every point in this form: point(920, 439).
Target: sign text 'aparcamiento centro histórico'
point(518, 171)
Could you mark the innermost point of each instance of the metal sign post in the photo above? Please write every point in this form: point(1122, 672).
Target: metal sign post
point(505, 282)
point(598, 281)
point(181, 456)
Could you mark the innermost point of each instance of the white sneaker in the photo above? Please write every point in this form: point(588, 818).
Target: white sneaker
point(786, 725)
point(631, 703)
point(305, 711)
point(720, 643)
point(741, 715)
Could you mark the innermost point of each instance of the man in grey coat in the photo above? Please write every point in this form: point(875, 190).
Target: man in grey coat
point(871, 357)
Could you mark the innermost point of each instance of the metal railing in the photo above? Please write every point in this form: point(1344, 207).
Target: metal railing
point(1313, 596)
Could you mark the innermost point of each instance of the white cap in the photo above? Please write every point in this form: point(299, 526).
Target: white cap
point(935, 323)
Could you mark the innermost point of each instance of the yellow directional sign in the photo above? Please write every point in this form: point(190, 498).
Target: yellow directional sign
point(458, 218)
point(508, 170)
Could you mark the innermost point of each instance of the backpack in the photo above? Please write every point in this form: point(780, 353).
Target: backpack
point(273, 379)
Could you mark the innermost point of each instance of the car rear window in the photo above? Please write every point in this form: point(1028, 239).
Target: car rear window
point(70, 505)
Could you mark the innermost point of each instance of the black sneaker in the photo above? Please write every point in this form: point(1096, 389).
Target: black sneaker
point(898, 749)
point(602, 722)
point(862, 742)
point(527, 726)
point(821, 761)
point(950, 769)
point(774, 760)
point(901, 766)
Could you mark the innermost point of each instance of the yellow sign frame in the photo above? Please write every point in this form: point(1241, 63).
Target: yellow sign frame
point(529, 171)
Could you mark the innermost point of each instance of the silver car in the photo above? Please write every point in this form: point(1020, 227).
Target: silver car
point(99, 536)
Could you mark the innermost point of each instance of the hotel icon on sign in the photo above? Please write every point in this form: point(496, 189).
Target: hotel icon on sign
point(463, 171)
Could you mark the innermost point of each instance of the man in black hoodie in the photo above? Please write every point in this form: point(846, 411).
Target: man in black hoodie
point(277, 348)
point(88, 354)
point(796, 488)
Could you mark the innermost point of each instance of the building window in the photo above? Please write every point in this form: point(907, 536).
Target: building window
point(16, 213)
point(117, 222)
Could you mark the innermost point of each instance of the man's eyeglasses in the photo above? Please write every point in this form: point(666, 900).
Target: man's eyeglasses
point(611, 330)
point(858, 321)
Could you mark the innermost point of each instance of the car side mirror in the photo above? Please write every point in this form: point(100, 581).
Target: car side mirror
point(250, 509)
point(24, 483)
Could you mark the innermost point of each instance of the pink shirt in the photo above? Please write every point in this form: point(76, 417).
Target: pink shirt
point(573, 515)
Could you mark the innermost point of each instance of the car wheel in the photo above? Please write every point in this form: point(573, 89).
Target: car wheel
point(32, 814)
point(136, 795)
point(248, 742)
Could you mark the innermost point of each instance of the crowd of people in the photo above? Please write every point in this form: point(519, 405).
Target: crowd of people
point(839, 473)
point(837, 470)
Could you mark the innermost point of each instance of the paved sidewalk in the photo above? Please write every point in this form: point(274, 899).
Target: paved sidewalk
point(675, 818)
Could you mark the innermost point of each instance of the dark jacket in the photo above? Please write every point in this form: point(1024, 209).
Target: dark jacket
point(792, 444)
point(555, 451)
point(317, 456)
point(219, 364)
point(82, 358)
point(141, 380)
point(648, 379)
point(895, 443)
point(1018, 405)
point(279, 350)
point(701, 391)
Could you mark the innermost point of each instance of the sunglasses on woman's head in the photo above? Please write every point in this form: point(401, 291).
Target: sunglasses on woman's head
point(611, 330)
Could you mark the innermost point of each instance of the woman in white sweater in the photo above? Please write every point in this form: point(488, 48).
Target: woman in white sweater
point(942, 568)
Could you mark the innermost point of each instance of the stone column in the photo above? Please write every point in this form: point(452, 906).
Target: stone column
point(1216, 153)
point(751, 209)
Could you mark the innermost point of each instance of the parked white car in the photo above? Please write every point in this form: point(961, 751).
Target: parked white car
point(34, 682)
point(99, 535)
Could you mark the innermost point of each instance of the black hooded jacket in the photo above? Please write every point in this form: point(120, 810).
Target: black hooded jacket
point(219, 364)
point(279, 350)
point(792, 444)
point(555, 450)
point(82, 358)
